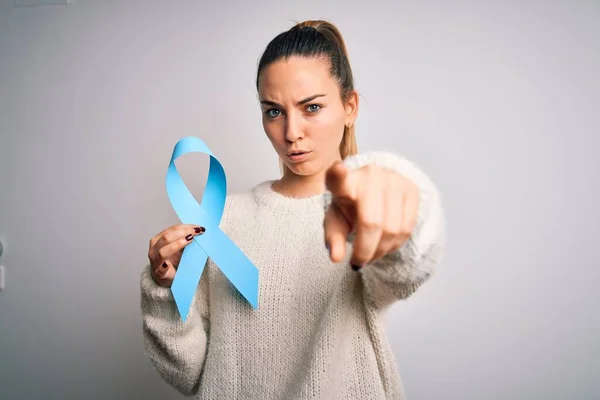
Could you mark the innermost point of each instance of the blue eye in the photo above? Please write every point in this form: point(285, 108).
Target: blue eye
point(313, 108)
point(272, 113)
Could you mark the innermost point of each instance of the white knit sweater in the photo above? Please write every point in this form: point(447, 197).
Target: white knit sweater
point(318, 332)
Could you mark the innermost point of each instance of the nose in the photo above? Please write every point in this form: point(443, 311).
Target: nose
point(293, 128)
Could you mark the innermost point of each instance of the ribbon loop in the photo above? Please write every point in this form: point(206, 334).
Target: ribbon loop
point(213, 243)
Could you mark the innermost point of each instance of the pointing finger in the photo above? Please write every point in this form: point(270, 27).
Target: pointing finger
point(339, 182)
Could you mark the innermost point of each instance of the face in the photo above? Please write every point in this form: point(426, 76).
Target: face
point(303, 113)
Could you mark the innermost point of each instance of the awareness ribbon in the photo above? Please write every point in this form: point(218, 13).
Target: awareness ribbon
point(213, 243)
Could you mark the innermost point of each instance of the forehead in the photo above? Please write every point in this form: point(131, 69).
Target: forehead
point(295, 78)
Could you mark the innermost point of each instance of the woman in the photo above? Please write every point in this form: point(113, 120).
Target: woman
point(318, 331)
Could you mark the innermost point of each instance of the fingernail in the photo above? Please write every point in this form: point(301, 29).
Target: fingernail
point(164, 265)
point(199, 229)
point(328, 249)
point(356, 267)
point(189, 237)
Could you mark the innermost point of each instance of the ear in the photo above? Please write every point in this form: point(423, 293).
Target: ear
point(351, 108)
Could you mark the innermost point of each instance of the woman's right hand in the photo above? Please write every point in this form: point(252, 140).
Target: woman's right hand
point(166, 249)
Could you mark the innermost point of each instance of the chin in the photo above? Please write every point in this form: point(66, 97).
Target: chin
point(304, 169)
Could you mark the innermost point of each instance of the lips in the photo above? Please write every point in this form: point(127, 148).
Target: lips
point(299, 156)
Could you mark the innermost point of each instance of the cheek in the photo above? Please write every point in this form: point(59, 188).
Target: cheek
point(330, 126)
point(273, 132)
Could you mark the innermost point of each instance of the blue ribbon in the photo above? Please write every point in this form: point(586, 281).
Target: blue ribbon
point(213, 243)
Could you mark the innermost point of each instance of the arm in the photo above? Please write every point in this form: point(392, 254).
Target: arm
point(400, 273)
point(176, 349)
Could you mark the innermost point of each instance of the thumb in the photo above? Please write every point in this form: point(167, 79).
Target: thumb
point(165, 273)
point(336, 231)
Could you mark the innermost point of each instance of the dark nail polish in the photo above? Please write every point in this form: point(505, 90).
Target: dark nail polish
point(356, 267)
point(164, 265)
point(202, 230)
point(189, 237)
point(197, 230)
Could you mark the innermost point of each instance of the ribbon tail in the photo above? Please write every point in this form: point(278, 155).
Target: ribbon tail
point(235, 265)
point(189, 272)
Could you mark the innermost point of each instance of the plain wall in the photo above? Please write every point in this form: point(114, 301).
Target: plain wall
point(498, 101)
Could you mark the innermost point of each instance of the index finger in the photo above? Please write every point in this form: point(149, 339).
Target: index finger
point(157, 237)
point(340, 182)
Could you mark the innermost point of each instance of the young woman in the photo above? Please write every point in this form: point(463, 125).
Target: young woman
point(339, 238)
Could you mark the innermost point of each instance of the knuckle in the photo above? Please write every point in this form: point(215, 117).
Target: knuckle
point(169, 236)
point(162, 253)
point(391, 231)
point(370, 223)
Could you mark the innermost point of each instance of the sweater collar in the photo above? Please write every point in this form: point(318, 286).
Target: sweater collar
point(266, 196)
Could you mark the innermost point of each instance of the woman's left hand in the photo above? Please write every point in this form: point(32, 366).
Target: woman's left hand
point(378, 205)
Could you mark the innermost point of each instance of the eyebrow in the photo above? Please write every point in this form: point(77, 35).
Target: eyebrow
point(306, 100)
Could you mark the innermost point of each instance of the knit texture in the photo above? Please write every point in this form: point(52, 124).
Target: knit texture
point(318, 332)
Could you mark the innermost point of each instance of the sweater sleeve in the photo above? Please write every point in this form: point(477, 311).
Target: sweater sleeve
point(399, 274)
point(177, 349)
